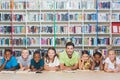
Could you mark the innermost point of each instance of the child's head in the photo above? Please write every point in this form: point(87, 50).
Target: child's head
point(111, 54)
point(8, 54)
point(85, 55)
point(97, 56)
point(51, 53)
point(25, 53)
point(36, 56)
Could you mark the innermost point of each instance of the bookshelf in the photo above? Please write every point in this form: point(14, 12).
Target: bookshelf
point(38, 24)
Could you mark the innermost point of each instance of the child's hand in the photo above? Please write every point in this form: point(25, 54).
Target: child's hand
point(23, 68)
point(6, 59)
point(93, 59)
point(116, 71)
point(69, 69)
point(53, 69)
point(26, 68)
point(82, 60)
point(33, 70)
point(101, 58)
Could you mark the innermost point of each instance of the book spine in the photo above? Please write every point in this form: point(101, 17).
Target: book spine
point(104, 5)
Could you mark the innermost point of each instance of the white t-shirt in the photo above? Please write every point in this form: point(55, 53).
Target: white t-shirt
point(23, 62)
point(54, 63)
point(111, 65)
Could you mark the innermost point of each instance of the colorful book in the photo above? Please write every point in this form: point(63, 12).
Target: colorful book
point(104, 4)
point(103, 17)
point(116, 5)
point(116, 41)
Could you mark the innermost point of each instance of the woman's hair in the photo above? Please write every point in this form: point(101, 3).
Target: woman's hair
point(85, 52)
point(47, 59)
point(97, 53)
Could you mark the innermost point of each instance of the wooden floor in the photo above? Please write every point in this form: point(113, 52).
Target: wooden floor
point(60, 75)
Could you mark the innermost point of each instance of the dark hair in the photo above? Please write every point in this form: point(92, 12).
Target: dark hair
point(70, 44)
point(36, 52)
point(85, 52)
point(97, 53)
point(8, 50)
point(47, 57)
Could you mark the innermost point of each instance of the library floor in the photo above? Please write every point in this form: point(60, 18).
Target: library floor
point(77, 75)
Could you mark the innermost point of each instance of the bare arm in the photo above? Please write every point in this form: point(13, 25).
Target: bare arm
point(33, 69)
point(24, 68)
point(81, 64)
point(74, 67)
point(119, 67)
point(11, 69)
point(93, 66)
point(51, 68)
point(63, 67)
point(101, 65)
point(40, 69)
point(106, 68)
point(3, 65)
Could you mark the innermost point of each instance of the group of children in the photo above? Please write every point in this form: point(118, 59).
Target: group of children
point(67, 60)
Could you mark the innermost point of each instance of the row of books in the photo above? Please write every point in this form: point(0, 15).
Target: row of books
point(72, 29)
point(92, 29)
point(61, 41)
point(64, 4)
point(8, 29)
point(104, 17)
point(104, 4)
point(116, 41)
point(116, 29)
point(116, 5)
point(93, 41)
point(43, 52)
point(103, 29)
point(0, 17)
point(103, 41)
point(5, 4)
point(18, 5)
point(32, 16)
point(116, 17)
point(26, 41)
point(118, 53)
point(17, 52)
point(50, 41)
point(14, 17)
point(79, 4)
point(90, 17)
point(46, 4)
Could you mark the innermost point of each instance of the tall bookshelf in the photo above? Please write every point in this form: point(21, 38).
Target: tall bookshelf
point(38, 24)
